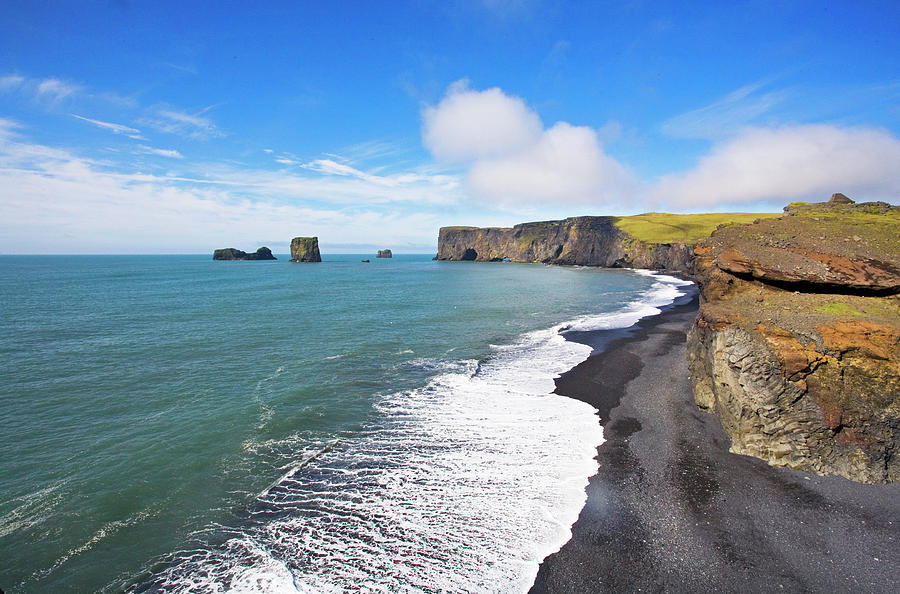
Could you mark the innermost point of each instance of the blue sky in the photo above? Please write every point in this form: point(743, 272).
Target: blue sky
point(139, 127)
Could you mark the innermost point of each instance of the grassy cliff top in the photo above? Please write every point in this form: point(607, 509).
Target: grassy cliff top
point(660, 227)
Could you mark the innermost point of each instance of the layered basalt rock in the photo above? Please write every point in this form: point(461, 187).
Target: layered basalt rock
point(586, 241)
point(262, 253)
point(305, 249)
point(796, 346)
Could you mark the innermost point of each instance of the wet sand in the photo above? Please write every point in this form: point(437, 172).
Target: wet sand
point(670, 509)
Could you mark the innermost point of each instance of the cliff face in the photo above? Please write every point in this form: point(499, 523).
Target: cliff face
point(587, 241)
point(262, 253)
point(305, 249)
point(796, 346)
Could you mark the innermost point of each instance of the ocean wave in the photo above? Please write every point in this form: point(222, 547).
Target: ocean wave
point(664, 291)
point(465, 484)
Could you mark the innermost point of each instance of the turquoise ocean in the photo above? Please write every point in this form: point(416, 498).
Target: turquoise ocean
point(177, 424)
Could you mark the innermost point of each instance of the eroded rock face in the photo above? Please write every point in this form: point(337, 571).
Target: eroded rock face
point(305, 249)
point(262, 253)
point(796, 347)
point(384, 254)
point(586, 241)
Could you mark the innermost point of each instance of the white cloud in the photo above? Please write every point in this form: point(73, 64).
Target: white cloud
point(513, 160)
point(721, 118)
point(789, 163)
point(173, 121)
point(55, 89)
point(114, 128)
point(285, 161)
point(565, 165)
point(468, 125)
point(149, 150)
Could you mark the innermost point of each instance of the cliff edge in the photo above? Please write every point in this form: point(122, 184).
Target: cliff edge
point(796, 347)
point(586, 241)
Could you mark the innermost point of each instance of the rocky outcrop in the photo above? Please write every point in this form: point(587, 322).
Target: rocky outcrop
point(587, 241)
point(796, 346)
point(384, 254)
point(262, 253)
point(305, 249)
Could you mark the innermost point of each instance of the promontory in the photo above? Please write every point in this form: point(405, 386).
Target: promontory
point(796, 346)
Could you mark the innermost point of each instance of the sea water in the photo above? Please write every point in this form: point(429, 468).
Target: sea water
point(173, 423)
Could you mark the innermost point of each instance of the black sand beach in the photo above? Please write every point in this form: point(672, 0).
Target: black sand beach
point(670, 509)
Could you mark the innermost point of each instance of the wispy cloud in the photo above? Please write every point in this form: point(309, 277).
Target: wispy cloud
point(56, 89)
point(11, 82)
point(191, 125)
point(114, 128)
point(49, 89)
point(724, 116)
point(149, 150)
point(373, 150)
point(53, 199)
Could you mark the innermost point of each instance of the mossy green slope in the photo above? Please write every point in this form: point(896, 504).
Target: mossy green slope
point(660, 227)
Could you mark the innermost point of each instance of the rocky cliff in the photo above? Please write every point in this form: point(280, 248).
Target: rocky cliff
point(796, 346)
point(384, 254)
point(262, 253)
point(588, 241)
point(305, 249)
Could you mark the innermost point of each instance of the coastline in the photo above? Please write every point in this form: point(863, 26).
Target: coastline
point(671, 509)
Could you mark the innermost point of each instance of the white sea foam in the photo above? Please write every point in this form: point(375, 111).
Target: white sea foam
point(664, 290)
point(463, 485)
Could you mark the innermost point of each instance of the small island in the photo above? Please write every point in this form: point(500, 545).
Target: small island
point(384, 254)
point(305, 249)
point(262, 253)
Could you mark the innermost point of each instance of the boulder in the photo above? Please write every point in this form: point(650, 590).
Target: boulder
point(305, 249)
point(839, 198)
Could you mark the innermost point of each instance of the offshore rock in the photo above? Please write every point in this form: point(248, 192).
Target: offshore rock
point(262, 253)
point(384, 254)
point(796, 347)
point(586, 241)
point(305, 249)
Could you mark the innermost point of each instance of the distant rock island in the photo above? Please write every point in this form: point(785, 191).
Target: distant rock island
point(384, 254)
point(262, 253)
point(796, 347)
point(305, 249)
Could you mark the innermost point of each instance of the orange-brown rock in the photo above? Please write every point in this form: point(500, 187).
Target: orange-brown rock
point(797, 343)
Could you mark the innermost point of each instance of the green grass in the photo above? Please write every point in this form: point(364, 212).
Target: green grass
point(839, 309)
point(659, 227)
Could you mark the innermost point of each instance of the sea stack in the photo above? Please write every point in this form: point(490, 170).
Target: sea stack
point(262, 253)
point(384, 254)
point(305, 249)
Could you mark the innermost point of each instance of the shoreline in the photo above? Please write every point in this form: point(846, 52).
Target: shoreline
point(670, 508)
